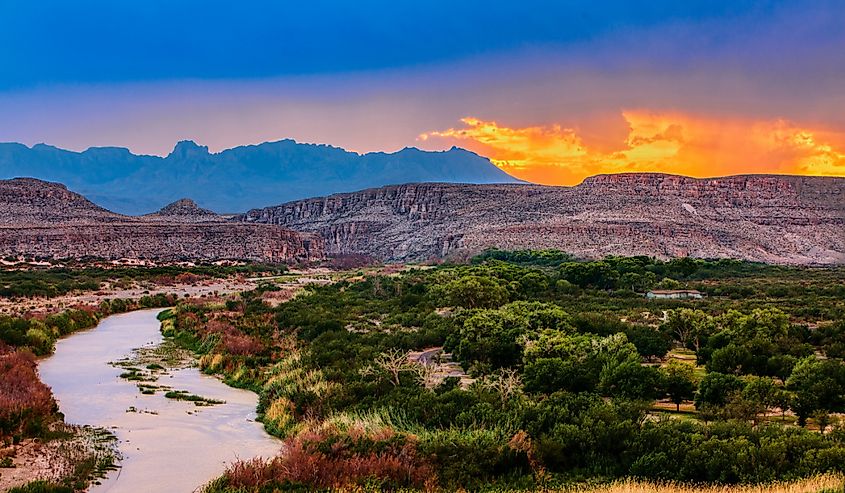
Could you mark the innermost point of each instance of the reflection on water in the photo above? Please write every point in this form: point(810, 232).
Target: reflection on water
point(168, 445)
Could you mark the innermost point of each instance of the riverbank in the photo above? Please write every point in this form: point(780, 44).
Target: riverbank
point(71, 458)
point(158, 437)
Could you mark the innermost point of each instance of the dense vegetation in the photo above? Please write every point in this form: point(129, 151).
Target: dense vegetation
point(38, 334)
point(569, 374)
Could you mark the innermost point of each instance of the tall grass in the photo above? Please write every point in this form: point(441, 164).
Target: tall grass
point(286, 380)
point(828, 483)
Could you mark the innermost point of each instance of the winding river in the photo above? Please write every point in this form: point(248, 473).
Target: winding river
point(167, 445)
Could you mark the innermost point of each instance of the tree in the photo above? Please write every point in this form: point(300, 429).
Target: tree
point(392, 362)
point(630, 380)
point(679, 382)
point(496, 337)
point(474, 292)
point(822, 418)
point(730, 359)
point(533, 285)
point(426, 373)
point(690, 327)
point(781, 365)
point(506, 382)
point(638, 281)
point(548, 375)
point(649, 342)
point(761, 393)
point(782, 400)
point(715, 388)
point(817, 385)
point(598, 275)
point(831, 339)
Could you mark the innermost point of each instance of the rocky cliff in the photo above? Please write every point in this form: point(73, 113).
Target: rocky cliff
point(778, 219)
point(47, 220)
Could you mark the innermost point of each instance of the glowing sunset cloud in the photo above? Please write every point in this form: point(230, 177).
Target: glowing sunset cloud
point(656, 142)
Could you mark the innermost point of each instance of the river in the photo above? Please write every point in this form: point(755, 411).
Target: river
point(169, 445)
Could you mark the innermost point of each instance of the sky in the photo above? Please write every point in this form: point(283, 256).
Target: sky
point(550, 91)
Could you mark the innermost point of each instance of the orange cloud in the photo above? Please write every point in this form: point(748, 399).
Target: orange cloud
point(657, 142)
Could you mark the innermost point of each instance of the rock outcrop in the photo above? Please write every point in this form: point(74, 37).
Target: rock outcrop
point(184, 210)
point(47, 220)
point(27, 201)
point(777, 219)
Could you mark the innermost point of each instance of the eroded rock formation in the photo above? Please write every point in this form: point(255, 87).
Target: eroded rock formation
point(778, 219)
point(47, 220)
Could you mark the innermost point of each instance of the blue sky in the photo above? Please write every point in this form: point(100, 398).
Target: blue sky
point(49, 42)
point(381, 75)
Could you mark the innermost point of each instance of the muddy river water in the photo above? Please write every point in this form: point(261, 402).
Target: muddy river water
point(167, 445)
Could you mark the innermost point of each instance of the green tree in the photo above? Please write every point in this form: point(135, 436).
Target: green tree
point(650, 343)
point(730, 359)
point(679, 382)
point(817, 385)
point(630, 380)
point(474, 292)
point(761, 393)
point(715, 388)
point(598, 275)
point(689, 327)
point(496, 337)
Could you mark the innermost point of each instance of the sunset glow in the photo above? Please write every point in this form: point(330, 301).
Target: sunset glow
point(656, 142)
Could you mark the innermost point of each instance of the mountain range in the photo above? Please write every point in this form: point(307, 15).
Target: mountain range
point(764, 218)
point(46, 220)
point(237, 179)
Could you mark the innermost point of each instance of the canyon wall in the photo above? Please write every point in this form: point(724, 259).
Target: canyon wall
point(46, 220)
point(778, 219)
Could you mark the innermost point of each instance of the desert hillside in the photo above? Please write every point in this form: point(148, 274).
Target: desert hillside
point(778, 219)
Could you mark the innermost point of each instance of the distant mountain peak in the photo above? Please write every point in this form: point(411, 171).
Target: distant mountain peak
point(186, 208)
point(240, 178)
point(188, 148)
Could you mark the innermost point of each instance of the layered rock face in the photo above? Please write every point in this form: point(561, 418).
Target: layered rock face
point(47, 220)
point(777, 219)
point(165, 242)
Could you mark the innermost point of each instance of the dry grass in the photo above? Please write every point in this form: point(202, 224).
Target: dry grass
point(828, 483)
point(833, 483)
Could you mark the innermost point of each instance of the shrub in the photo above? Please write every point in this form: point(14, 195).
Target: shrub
point(330, 458)
point(26, 404)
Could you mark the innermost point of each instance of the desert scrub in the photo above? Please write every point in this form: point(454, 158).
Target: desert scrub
point(42, 486)
point(328, 458)
point(26, 404)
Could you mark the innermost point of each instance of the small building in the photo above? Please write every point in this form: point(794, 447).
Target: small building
point(674, 294)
